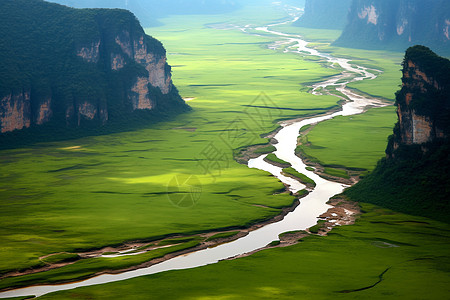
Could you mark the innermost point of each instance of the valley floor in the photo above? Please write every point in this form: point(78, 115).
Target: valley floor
point(180, 178)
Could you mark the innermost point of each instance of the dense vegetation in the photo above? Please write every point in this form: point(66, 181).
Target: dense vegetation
point(415, 182)
point(415, 178)
point(38, 47)
point(428, 100)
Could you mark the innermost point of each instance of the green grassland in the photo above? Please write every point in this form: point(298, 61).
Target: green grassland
point(336, 172)
point(177, 177)
point(409, 254)
point(88, 267)
point(355, 141)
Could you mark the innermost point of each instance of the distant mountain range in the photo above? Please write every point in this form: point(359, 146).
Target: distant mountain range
point(325, 14)
point(148, 11)
point(79, 68)
point(383, 24)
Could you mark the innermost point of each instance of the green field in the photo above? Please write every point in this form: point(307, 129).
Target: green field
point(355, 141)
point(176, 177)
point(409, 254)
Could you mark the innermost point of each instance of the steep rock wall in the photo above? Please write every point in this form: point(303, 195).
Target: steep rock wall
point(15, 111)
point(398, 24)
point(414, 177)
point(423, 103)
point(97, 70)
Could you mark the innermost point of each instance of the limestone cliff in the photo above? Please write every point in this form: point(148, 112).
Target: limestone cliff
point(423, 103)
point(414, 177)
point(398, 24)
point(325, 14)
point(79, 67)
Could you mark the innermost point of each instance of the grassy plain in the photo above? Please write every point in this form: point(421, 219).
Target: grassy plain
point(177, 177)
point(409, 254)
point(88, 267)
point(355, 141)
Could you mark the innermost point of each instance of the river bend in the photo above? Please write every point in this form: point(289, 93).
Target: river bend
point(311, 206)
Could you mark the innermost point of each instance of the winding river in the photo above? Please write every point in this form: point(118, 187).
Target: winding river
point(311, 206)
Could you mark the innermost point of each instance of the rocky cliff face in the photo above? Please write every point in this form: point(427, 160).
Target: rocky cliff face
point(101, 69)
point(398, 24)
point(415, 176)
point(15, 112)
point(325, 14)
point(423, 103)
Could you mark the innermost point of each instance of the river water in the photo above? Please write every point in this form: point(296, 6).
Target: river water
point(311, 206)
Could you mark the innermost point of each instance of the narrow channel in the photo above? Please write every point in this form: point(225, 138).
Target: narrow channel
point(311, 206)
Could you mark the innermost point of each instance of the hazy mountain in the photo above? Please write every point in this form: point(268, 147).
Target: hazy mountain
point(325, 14)
point(398, 24)
point(147, 11)
point(414, 177)
point(74, 68)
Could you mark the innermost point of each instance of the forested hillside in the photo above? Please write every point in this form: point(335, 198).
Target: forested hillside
point(70, 68)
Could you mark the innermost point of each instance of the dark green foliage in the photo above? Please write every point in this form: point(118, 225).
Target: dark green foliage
point(414, 178)
point(414, 183)
point(435, 102)
point(430, 98)
point(38, 53)
point(274, 243)
point(430, 63)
